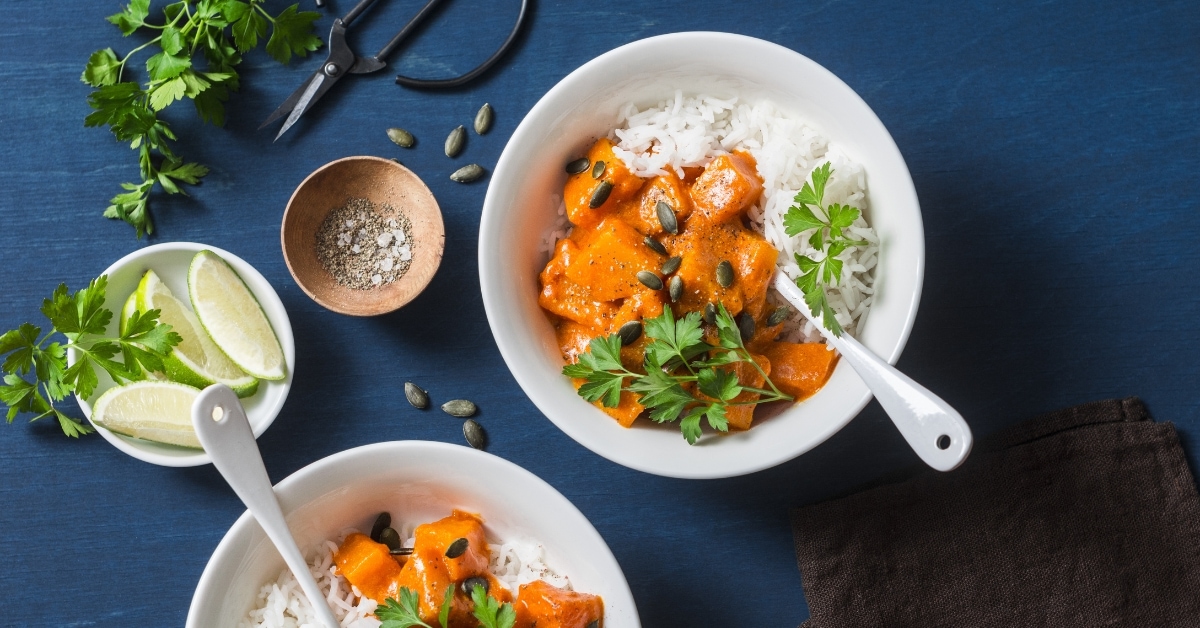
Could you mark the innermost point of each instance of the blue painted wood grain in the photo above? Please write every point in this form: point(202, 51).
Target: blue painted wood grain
point(1053, 146)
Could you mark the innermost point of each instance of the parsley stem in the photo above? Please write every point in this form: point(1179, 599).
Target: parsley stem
point(121, 68)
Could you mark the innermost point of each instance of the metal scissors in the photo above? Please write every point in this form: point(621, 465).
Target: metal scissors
point(342, 61)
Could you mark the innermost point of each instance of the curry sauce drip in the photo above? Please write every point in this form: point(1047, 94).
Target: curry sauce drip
point(590, 287)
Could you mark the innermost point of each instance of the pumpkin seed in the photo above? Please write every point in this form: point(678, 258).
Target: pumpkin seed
point(600, 194)
point(461, 408)
point(457, 548)
point(598, 170)
point(467, 173)
point(710, 314)
point(416, 396)
point(630, 332)
point(779, 315)
point(666, 217)
point(468, 585)
point(650, 280)
point(578, 166)
point(595, 623)
point(391, 538)
point(382, 521)
point(655, 245)
point(455, 141)
point(745, 324)
point(401, 551)
point(671, 265)
point(474, 434)
point(676, 288)
point(483, 119)
point(401, 138)
point(725, 273)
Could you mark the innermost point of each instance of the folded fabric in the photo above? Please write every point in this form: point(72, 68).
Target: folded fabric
point(1084, 517)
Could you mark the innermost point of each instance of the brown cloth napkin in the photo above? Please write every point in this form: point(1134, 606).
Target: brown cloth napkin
point(1084, 517)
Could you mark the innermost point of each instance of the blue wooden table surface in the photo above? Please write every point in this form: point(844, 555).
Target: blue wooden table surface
point(1054, 150)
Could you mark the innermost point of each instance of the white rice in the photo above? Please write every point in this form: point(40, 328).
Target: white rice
point(689, 131)
point(281, 604)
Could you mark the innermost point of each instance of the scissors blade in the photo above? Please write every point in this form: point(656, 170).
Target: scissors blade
point(315, 90)
point(289, 104)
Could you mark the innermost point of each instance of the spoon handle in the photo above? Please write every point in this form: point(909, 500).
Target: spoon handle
point(224, 431)
point(934, 430)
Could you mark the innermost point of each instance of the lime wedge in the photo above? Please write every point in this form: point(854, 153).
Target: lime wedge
point(150, 410)
point(196, 361)
point(233, 318)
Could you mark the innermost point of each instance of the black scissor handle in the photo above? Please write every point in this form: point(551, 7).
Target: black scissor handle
point(469, 76)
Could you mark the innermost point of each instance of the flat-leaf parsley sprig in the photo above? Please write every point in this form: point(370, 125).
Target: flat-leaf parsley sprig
point(82, 320)
point(406, 613)
point(215, 31)
point(678, 364)
point(827, 223)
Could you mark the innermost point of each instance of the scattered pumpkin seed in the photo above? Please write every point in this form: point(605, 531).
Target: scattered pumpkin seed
point(745, 324)
point(389, 537)
point(650, 280)
point(666, 216)
point(416, 396)
point(676, 288)
point(401, 138)
point(401, 551)
point(455, 141)
point(630, 332)
point(779, 315)
point(474, 434)
point(457, 548)
point(382, 521)
point(710, 314)
point(600, 194)
point(598, 170)
point(467, 173)
point(468, 585)
point(397, 161)
point(578, 166)
point(725, 273)
point(671, 265)
point(483, 119)
point(655, 245)
point(461, 408)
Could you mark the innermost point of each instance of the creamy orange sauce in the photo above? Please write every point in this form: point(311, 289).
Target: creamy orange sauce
point(589, 287)
point(428, 572)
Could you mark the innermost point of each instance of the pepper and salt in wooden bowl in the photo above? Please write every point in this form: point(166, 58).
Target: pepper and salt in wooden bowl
point(362, 236)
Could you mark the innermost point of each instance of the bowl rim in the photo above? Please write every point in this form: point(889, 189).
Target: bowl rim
point(290, 488)
point(276, 314)
point(492, 215)
point(375, 309)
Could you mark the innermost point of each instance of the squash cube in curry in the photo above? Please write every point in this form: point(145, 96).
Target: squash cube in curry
point(728, 186)
point(609, 264)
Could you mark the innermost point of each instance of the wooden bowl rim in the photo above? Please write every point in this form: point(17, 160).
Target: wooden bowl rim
point(375, 306)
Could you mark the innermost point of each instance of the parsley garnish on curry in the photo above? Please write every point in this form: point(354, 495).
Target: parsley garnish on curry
point(659, 296)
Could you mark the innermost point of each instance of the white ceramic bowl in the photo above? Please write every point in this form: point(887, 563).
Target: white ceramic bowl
point(417, 482)
point(170, 261)
point(523, 199)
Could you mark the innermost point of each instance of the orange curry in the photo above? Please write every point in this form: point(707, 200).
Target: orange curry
point(428, 572)
point(590, 285)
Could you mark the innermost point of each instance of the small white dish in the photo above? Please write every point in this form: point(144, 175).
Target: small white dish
point(170, 261)
point(522, 204)
point(417, 482)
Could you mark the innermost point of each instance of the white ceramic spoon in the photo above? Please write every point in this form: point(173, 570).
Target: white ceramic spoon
point(224, 431)
point(932, 428)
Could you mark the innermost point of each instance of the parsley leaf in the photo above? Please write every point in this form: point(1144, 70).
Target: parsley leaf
point(673, 374)
point(82, 319)
point(403, 614)
point(447, 605)
point(193, 34)
point(489, 612)
point(822, 268)
point(293, 34)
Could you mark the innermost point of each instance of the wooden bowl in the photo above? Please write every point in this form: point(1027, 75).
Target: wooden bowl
point(381, 181)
